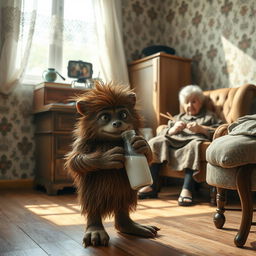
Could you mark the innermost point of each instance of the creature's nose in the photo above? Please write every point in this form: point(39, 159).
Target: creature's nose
point(117, 124)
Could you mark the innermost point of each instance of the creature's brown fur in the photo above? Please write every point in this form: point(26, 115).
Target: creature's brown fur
point(96, 161)
point(104, 191)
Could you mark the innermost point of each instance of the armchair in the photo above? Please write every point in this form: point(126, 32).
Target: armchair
point(232, 165)
point(229, 104)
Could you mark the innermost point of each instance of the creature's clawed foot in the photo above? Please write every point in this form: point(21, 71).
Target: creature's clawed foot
point(95, 236)
point(136, 229)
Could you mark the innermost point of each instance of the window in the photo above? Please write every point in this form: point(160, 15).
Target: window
point(64, 31)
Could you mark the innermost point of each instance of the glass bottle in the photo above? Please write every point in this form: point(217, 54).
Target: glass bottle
point(136, 165)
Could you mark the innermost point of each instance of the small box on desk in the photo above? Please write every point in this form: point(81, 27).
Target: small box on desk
point(50, 93)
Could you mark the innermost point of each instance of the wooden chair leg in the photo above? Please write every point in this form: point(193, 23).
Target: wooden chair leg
point(243, 182)
point(219, 218)
point(213, 194)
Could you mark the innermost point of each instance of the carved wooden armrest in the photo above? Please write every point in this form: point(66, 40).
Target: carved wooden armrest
point(221, 131)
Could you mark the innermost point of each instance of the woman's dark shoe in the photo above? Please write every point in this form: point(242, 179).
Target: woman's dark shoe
point(145, 195)
point(185, 201)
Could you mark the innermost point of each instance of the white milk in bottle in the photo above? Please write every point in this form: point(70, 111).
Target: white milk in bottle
point(136, 165)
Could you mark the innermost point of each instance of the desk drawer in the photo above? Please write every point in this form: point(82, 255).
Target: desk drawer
point(64, 121)
point(48, 93)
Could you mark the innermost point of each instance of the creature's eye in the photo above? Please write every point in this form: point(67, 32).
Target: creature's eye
point(105, 117)
point(123, 114)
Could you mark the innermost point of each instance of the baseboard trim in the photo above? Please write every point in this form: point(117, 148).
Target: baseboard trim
point(14, 184)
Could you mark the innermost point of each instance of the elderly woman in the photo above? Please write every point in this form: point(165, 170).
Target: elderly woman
point(178, 144)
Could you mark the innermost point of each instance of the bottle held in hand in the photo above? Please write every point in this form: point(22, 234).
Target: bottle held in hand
point(136, 165)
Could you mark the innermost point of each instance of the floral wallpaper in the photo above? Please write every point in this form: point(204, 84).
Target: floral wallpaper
point(142, 25)
point(218, 35)
point(17, 134)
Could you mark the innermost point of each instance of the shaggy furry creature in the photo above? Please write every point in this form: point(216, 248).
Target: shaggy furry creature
point(96, 161)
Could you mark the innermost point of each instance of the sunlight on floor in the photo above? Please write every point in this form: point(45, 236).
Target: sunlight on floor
point(58, 214)
point(69, 214)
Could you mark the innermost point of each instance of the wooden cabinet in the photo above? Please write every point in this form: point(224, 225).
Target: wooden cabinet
point(157, 80)
point(54, 124)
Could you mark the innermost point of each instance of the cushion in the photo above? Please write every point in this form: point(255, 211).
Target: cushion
point(226, 177)
point(230, 151)
point(219, 177)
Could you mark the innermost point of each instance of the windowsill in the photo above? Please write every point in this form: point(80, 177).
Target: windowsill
point(35, 81)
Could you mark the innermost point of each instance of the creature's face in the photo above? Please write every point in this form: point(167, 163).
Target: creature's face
point(106, 111)
point(192, 105)
point(112, 122)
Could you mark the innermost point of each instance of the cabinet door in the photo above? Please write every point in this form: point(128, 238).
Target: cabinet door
point(44, 158)
point(63, 144)
point(62, 147)
point(174, 73)
point(143, 78)
point(60, 173)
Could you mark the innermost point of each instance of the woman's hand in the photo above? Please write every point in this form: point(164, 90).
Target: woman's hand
point(197, 128)
point(194, 127)
point(178, 127)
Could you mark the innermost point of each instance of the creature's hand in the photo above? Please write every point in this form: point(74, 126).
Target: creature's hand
point(111, 159)
point(178, 127)
point(141, 146)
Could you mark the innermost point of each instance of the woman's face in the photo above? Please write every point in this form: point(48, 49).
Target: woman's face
point(192, 105)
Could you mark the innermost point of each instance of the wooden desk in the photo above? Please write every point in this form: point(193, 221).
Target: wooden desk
point(54, 124)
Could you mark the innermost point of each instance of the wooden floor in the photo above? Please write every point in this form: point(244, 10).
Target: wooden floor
point(34, 224)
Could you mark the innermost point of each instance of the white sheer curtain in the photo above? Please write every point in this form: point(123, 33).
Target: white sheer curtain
point(60, 35)
point(16, 31)
point(108, 19)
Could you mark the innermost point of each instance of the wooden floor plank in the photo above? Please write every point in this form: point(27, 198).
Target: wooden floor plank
point(32, 223)
point(27, 252)
point(13, 238)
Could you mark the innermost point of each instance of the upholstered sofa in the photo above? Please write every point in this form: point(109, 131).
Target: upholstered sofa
point(229, 104)
point(232, 165)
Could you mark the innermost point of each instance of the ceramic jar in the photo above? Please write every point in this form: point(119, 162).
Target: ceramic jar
point(49, 75)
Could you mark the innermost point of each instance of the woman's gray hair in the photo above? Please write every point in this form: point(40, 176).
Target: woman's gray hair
point(189, 90)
